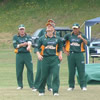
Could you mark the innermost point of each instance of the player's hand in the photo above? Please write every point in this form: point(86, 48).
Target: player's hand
point(28, 48)
point(66, 52)
point(60, 57)
point(25, 44)
point(80, 36)
point(40, 57)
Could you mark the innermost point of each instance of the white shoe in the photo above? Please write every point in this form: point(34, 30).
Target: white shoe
point(41, 94)
point(56, 94)
point(34, 90)
point(84, 89)
point(70, 89)
point(19, 88)
point(50, 89)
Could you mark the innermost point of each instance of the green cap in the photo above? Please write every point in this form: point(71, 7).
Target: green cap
point(21, 26)
point(76, 25)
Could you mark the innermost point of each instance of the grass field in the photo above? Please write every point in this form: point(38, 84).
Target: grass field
point(35, 13)
point(11, 93)
point(8, 83)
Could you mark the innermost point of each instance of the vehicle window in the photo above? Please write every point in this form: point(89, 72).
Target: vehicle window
point(62, 33)
point(96, 44)
point(36, 32)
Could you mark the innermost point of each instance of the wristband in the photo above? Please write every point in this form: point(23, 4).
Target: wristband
point(29, 43)
point(18, 46)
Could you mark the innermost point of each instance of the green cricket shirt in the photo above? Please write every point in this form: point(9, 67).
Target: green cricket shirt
point(17, 39)
point(75, 44)
point(50, 46)
point(43, 32)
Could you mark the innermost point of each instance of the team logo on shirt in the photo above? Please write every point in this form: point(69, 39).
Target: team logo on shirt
point(22, 41)
point(51, 43)
point(74, 44)
point(50, 47)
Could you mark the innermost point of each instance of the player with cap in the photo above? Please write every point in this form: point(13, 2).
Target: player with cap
point(50, 57)
point(74, 48)
point(53, 22)
point(43, 31)
point(38, 73)
point(22, 44)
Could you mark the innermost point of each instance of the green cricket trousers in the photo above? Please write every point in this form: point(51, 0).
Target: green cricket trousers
point(50, 64)
point(21, 59)
point(38, 76)
point(76, 62)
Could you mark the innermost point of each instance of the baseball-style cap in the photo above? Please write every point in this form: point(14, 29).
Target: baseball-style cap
point(76, 25)
point(51, 20)
point(50, 24)
point(21, 26)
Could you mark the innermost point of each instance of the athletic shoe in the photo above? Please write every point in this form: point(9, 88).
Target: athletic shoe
point(34, 90)
point(70, 89)
point(56, 94)
point(84, 89)
point(41, 94)
point(50, 89)
point(19, 88)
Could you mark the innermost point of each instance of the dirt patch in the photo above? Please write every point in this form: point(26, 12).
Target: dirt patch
point(6, 39)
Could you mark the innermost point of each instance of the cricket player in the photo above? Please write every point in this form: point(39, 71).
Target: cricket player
point(22, 44)
point(74, 48)
point(39, 63)
point(51, 57)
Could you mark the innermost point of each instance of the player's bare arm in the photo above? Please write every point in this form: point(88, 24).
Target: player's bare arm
point(84, 40)
point(39, 56)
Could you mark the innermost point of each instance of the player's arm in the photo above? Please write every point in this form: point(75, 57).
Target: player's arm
point(64, 43)
point(29, 43)
point(60, 56)
point(84, 39)
point(60, 45)
point(66, 52)
point(40, 57)
point(22, 45)
point(15, 42)
point(16, 45)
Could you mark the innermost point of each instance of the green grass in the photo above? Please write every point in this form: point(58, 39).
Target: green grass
point(8, 82)
point(35, 13)
point(26, 94)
